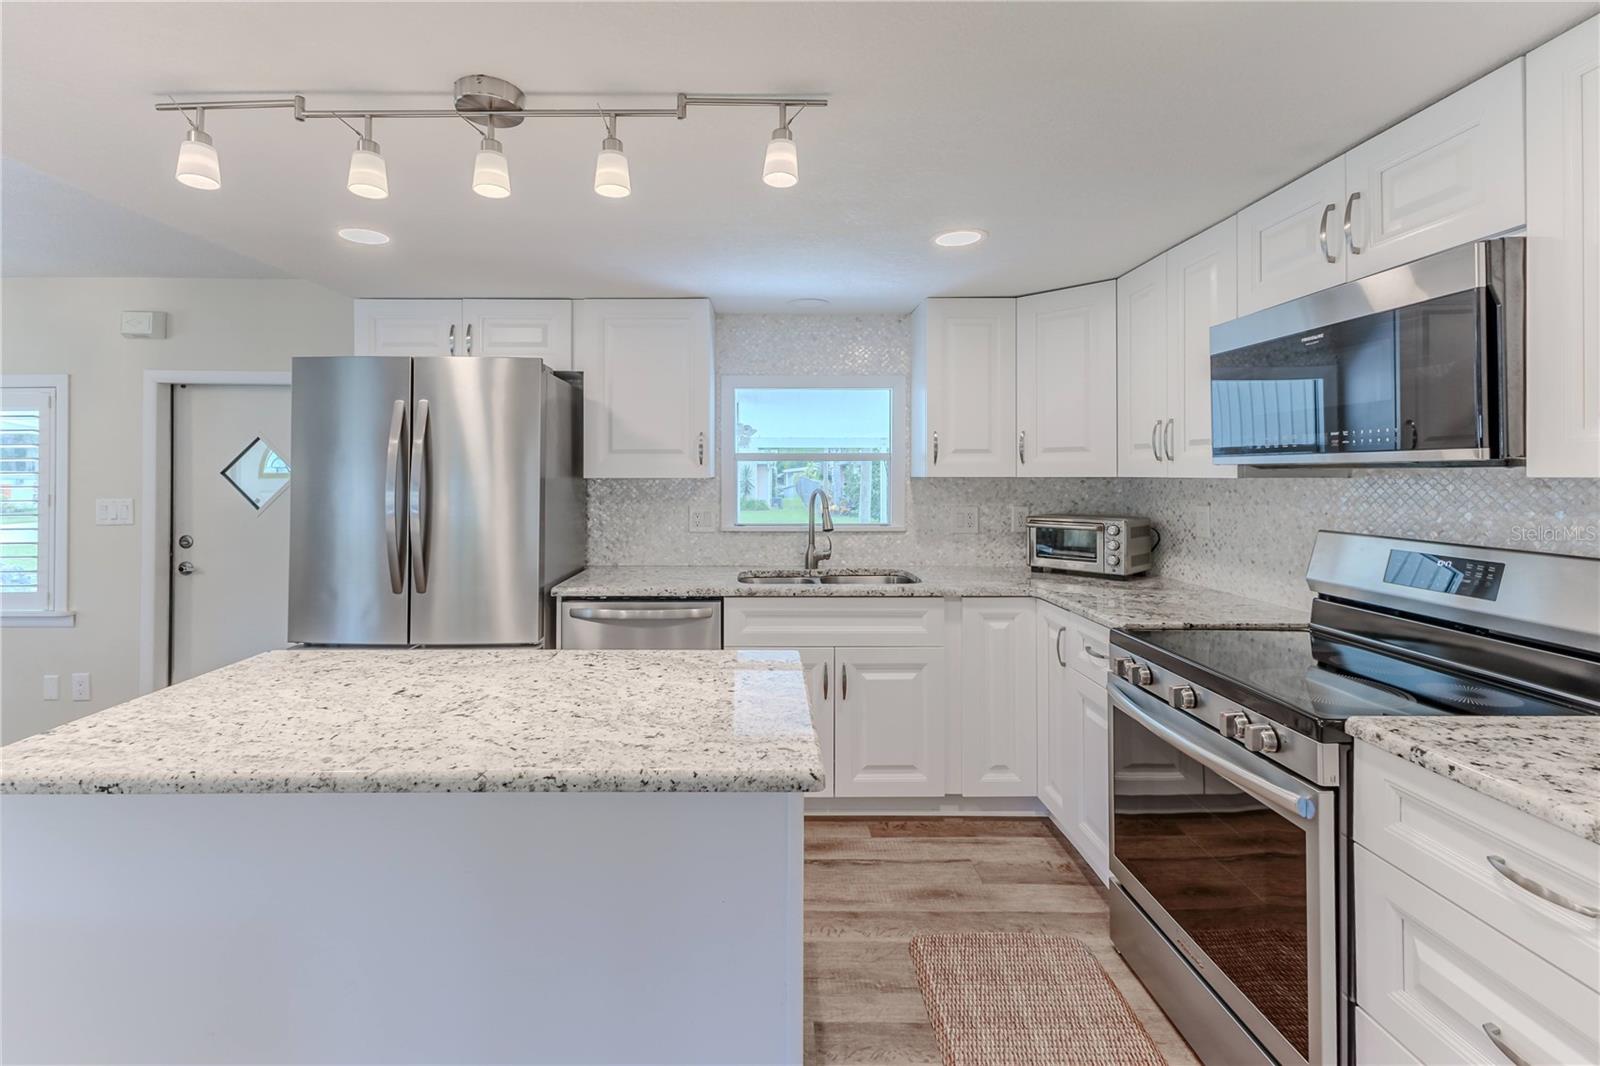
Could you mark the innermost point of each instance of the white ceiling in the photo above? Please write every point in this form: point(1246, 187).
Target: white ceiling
point(1084, 137)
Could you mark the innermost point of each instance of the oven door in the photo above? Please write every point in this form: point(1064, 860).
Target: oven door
point(1232, 858)
point(1073, 546)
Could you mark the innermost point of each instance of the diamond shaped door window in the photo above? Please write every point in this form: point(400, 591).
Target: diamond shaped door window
point(259, 473)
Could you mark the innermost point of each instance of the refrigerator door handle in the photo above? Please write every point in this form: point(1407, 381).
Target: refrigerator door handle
point(419, 499)
point(394, 495)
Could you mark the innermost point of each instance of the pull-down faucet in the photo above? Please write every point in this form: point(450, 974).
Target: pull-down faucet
point(813, 556)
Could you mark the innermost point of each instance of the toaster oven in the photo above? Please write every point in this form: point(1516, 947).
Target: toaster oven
point(1111, 546)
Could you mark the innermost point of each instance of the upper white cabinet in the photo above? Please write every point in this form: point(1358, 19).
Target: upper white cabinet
point(1445, 176)
point(647, 385)
point(1563, 326)
point(963, 388)
point(1202, 290)
point(1449, 174)
point(1067, 382)
point(999, 715)
point(537, 328)
point(1142, 369)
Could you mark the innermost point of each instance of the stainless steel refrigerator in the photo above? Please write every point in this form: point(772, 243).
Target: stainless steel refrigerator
point(436, 500)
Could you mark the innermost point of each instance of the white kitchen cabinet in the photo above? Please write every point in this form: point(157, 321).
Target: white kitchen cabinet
point(821, 678)
point(1142, 365)
point(408, 327)
point(964, 388)
point(647, 387)
point(999, 708)
point(1563, 267)
point(540, 329)
point(1290, 243)
point(1074, 737)
point(1202, 290)
point(889, 722)
point(1067, 382)
point(1450, 174)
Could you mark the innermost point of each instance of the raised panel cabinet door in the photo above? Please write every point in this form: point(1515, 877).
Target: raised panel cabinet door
point(540, 329)
point(889, 722)
point(1089, 750)
point(1067, 382)
point(1202, 290)
point(999, 703)
point(1055, 704)
point(1146, 766)
point(1450, 174)
point(1290, 243)
point(964, 388)
point(1142, 363)
point(1563, 327)
point(647, 384)
point(821, 685)
point(408, 327)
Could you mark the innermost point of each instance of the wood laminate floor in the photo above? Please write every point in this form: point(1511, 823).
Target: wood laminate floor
point(871, 883)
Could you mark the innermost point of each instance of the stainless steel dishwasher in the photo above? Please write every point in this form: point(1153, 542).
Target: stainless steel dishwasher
point(683, 625)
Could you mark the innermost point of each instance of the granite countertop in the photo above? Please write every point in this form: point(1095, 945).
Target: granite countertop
point(446, 720)
point(1547, 766)
point(1135, 603)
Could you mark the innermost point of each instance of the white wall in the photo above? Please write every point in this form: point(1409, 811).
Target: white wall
point(70, 326)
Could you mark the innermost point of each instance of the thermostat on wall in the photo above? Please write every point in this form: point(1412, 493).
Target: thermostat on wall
point(144, 325)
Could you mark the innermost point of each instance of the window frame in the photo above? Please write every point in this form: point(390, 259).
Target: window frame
point(48, 607)
point(899, 445)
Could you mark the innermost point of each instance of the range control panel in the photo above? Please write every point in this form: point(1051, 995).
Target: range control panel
point(1451, 574)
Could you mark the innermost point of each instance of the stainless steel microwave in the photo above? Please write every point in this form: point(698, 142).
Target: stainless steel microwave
point(1418, 364)
point(1112, 546)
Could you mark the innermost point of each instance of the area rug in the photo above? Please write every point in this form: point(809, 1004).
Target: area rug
point(1025, 999)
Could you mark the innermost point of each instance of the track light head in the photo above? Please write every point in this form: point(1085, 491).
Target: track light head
point(611, 170)
point(198, 166)
point(491, 174)
point(369, 175)
point(782, 167)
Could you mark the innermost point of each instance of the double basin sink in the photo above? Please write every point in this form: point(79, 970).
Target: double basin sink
point(828, 577)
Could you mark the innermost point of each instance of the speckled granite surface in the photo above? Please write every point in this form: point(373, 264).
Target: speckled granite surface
point(1137, 603)
point(446, 720)
point(1549, 767)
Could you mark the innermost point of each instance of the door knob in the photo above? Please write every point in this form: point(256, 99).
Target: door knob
point(186, 567)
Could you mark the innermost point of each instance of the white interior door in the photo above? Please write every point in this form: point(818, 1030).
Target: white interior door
point(230, 524)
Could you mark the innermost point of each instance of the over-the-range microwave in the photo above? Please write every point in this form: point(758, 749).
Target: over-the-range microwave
point(1422, 363)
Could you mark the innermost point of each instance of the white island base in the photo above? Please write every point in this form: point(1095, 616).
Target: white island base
point(402, 928)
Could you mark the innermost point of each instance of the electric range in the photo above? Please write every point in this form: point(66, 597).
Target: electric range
point(1230, 794)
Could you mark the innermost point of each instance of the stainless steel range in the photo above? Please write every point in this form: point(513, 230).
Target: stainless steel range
point(1230, 838)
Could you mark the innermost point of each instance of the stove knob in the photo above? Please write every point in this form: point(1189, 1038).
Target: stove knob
point(1182, 697)
point(1121, 666)
point(1260, 737)
point(1140, 674)
point(1232, 724)
point(1112, 529)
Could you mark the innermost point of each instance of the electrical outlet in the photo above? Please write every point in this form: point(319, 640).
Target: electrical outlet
point(702, 518)
point(113, 512)
point(964, 519)
point(1019, 518)
point(80, 687)
point(52, 686)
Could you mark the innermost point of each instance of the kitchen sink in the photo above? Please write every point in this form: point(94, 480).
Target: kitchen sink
point(827, 577)
point(798, 577)
point(886, 577)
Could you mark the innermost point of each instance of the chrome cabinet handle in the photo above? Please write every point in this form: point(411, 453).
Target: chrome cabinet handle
point(1322, 233)
point(452, 338)
point(935, 447)
point(1167, 438)
point(1492, 1031)
point(701, 454)
point(640, 614)
point(824, 682)
point(394, 494)
point(1088, 649)
point(1349, 234)
point(1060, 656)
point(1534, 888)
point(844, 682)
point(418, 509)
point(1155, 446)
point(1022, 446)
point(469, 338)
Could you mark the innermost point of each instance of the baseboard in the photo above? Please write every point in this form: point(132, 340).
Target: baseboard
point(913, 807)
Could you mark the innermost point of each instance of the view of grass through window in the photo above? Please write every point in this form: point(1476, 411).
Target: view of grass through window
point(791, 441)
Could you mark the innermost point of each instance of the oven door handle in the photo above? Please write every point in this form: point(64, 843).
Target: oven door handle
point(1216, 755)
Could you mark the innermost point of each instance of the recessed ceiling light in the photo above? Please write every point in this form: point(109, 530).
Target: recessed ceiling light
point(959, 238)
point(356, 235)
point(804, 302)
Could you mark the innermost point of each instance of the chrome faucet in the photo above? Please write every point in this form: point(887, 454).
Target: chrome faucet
point(813, 556)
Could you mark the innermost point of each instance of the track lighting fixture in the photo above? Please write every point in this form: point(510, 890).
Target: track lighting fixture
point(611, 166)
point(491, 174)
point(369, 176)
point(198, 166)
point(782, 167)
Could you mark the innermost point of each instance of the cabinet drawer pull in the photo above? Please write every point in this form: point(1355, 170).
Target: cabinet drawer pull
point(1532, 887)
point(452, 339)
point(702, 448)
point(844, 682)
point(1349, 234)
point(935, 447)
point(1167, 440)
point(1322, 233)
point(824, 682)
point(1492, 1031)
point(1022, 446)
point(1060, 658)
point(1088, 649)
point(1155, 446)
point(469, 338)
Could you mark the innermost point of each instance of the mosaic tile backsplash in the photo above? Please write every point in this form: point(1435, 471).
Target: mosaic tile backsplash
point(1251, 536)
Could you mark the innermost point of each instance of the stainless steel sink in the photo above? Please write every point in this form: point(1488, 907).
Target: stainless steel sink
point(798, 577)
point(806, 577)
point(887, 577)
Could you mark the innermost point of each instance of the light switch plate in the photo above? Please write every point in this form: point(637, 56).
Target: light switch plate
point(702, 518)
point(52, 686)
point(964, 519)
point(113, 512)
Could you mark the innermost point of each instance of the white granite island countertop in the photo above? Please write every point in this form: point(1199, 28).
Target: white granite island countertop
point(1134, 603)
point(445, 720)
point(1546, 766)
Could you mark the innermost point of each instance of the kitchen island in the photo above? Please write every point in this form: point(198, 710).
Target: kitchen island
point(427, 855)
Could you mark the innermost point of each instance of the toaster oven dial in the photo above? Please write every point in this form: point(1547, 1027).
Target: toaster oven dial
point(1260, 737)
point(1113, 559)
point(1112, 529)
point(1113, 543)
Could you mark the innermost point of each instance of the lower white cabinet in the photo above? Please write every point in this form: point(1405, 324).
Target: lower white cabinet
point(1074, 736)
point(999, 731)
point(889, 722)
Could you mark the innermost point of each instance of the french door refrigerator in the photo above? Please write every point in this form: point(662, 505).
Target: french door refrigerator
point(436, 500)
